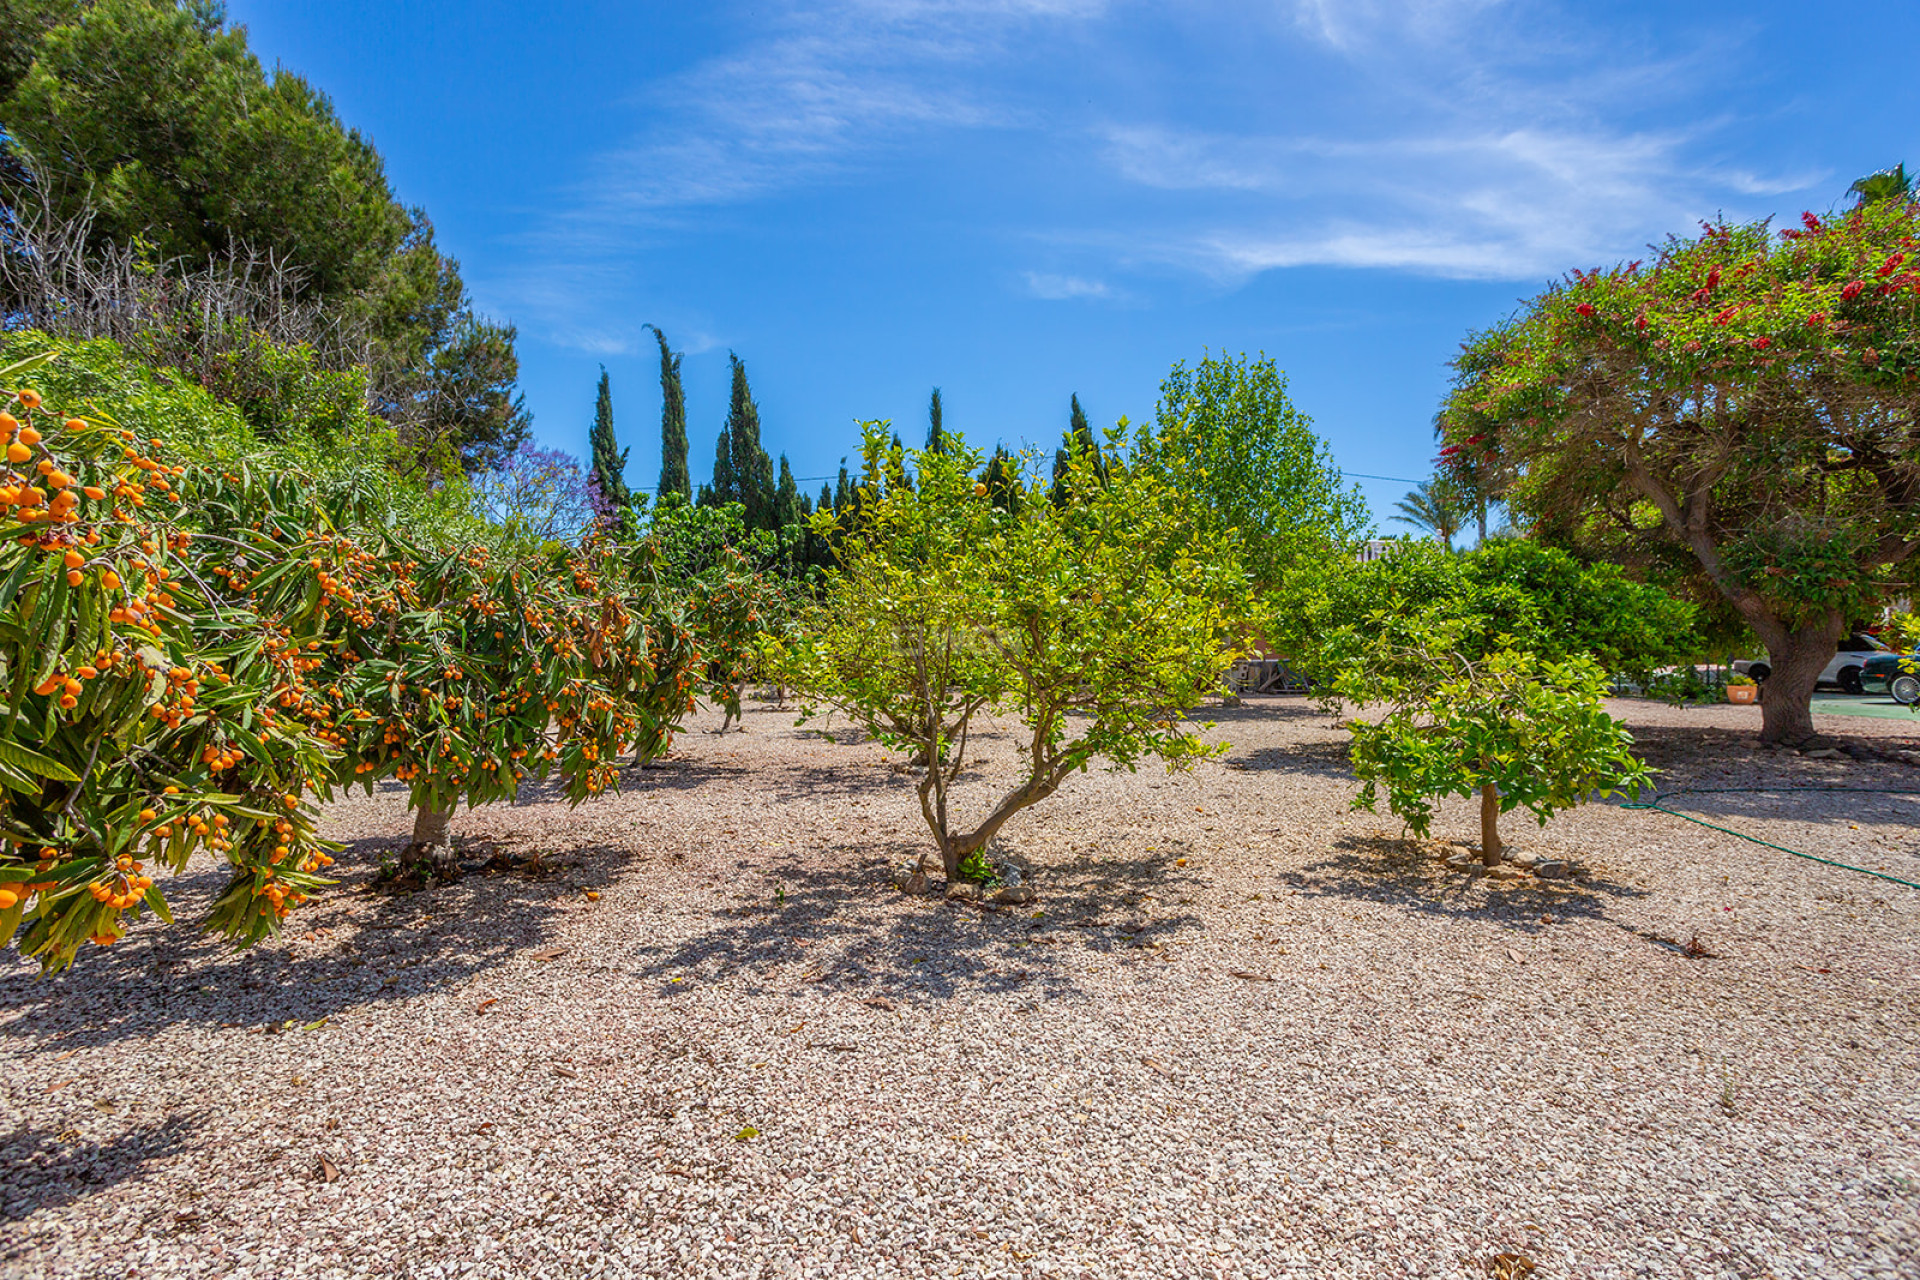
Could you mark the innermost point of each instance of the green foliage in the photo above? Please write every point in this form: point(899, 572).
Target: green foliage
point(151, 124)
point(1438, 508)
point(1096, 623)
point(193, 649)
point(674, 479)
point(1530, 729)
point(1226, 432)
point(612, 500)
point(1509, 593)
point(742, 471)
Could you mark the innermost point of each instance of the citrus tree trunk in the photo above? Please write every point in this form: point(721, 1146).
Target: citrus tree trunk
point(432, 847)
point(1796, 659)
point(1490, 824)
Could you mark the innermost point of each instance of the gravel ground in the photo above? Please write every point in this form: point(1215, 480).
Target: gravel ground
point(1243, 1032)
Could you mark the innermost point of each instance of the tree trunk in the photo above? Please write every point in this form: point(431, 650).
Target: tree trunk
point(1489, 824)
point(1795, 659)
point(432, 847)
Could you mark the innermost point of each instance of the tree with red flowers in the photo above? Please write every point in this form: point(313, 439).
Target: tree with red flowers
point(1742, 410)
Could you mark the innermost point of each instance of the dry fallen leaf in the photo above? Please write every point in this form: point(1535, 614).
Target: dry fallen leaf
point(567, 1073)
point(484, 1003)
point(878, 1002)
point(328, 1171)
point(1251, 977)
point(551, 953)
point(1515, 956)
point(1511, 1266)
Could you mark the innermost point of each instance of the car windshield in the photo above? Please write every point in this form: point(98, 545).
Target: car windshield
point(1864, 644)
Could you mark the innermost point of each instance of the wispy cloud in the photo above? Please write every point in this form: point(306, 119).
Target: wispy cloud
point(1066, 288)
point(1490, 139)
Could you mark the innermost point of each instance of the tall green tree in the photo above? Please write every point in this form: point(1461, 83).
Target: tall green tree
point(751, 468)
point(673, 424)
point(607, 474)
point(1226, 432)
point(151, 123)
point(1079, 441)
point(1745, 410)
point(725, 488)
point(786, 498)
point(936, 426)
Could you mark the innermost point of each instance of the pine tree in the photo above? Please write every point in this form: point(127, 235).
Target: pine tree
point(607, 476)
point(673, 424)
point(936, 431)
point(752, 468)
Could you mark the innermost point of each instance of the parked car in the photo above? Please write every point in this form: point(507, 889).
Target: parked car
point(1895, 674)
point(1844, 670)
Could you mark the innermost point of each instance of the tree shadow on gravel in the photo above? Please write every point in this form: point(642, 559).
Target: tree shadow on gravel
point(1397, 873)
point(40, 1169)
point(842, 928)
point(353, 949)
point(1318, 759)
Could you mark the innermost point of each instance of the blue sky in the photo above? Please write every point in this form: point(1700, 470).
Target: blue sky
point(1016, 200)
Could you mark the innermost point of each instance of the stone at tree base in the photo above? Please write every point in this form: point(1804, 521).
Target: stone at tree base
point(963, 891)
point(911, 877)
point(1521, 858)
point(1554, 869)
point(1504, 872)
point(1013, 894)
point(1461, 861)
point(1825, 753)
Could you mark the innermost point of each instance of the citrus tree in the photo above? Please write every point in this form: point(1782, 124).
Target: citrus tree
point(1507, 726)
point(1743, 407)
point(1096, 622)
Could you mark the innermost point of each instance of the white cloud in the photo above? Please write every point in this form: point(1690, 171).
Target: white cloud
point(1065, 288)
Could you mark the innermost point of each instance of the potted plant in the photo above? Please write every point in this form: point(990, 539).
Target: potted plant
point(1741, 689)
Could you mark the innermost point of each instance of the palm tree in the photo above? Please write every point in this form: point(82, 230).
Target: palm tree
point(1888, 184)
point(1436, 507)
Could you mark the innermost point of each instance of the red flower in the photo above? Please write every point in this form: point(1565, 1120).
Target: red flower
point(1694, 345)
point(1640, 321)
point(1812, 223)
point(1892, 264)
point(1475, 439)
point(1450, 450)
point(1585, 308)
point(1726, 315)
point(1761, 344)
point(1817, 319)
point(1713, 278)
point(1701, 295)
point(1852, 290)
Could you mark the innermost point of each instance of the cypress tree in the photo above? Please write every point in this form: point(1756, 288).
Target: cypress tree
point(787, 499)
point(607, 475)
point(936, 432)
point(843, 491)
point(1079, 441)
point(752, 468)
point(826, 502)
point(1003, 487)
point(726, 486)
point(673, 424)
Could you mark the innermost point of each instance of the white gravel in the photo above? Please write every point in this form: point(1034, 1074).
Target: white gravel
point(510, 1079)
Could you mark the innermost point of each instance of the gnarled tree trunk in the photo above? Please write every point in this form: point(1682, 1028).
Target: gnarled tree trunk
point(1795, 660)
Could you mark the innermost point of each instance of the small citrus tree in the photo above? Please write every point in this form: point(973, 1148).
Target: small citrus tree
point(1097, 622)
point(1512, 728)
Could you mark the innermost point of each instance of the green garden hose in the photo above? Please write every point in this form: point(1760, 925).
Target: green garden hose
point(1657, 805)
